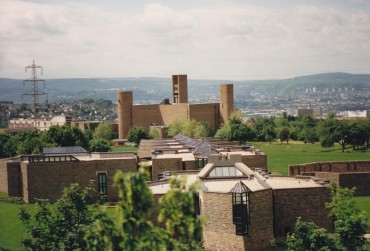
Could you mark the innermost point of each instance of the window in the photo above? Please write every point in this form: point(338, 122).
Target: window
point(201, 162)
point(102, 183)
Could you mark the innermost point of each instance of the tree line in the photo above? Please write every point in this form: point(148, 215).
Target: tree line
point(32, 142)
point(305, 128)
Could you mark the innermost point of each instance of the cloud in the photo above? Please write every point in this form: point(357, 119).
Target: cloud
point(222, 40)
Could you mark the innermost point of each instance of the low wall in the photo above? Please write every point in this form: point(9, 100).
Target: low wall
point(343, 173)
point(333, 166)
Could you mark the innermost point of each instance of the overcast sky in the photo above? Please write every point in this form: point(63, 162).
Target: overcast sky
point(206, 39)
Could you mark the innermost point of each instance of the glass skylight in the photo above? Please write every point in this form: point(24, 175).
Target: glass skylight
point(225, 171)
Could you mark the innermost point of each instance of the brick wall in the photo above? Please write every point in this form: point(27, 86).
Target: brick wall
point(219, 230)
point(307, 203)
point(47, 180)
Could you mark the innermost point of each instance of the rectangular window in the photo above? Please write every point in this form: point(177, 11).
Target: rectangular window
point(102, 183)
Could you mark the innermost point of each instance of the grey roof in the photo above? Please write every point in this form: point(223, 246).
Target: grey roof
point(66, 149)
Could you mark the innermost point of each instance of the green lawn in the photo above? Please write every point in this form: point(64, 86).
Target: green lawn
point(11, 228)
point(124, 149)
point(363, 203)
point(280, 155)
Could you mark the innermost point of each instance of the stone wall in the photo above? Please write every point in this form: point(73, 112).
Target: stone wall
point(307, 203)
point(161, 165)
point(10, 182)
point(47, 180)
point(209, 113)
point(3, 175)
point(14, 179)
point(255, 161)
point(359, 180)
point(219, 231)
point(173, 112)
point(146, 115)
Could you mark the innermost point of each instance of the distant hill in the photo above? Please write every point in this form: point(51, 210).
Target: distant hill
point(155, 89)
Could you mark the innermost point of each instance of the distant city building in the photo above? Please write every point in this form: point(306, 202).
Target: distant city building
point(42, 124)
point(358, 114)
point(309, 111)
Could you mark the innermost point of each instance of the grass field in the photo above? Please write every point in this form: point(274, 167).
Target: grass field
point(280, 155)
point(123, 149)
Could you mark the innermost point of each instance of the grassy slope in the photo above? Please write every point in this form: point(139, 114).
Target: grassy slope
point(280, 155)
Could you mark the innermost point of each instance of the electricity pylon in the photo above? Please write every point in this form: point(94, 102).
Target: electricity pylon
point(35, 93)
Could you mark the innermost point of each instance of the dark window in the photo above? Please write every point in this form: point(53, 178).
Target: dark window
point(241, 215)
point(102, 179)
point(201, 163)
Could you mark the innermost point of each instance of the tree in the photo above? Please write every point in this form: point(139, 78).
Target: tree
point(136, 134)
point(28, 142)
point(99, 145)
point(177, 211)
point(284, 134)
point(335, 131)
point(134, 229)
point(62, 226)
point(269, 133)
point(349, 223)
point(265, 129)
point(175, 128)
point(189, 128)
point(358, 132)
point(65, 136)
point(309, 237)
point(104, 131)
point(4, 139)
point(309, 135)
point(224, 132)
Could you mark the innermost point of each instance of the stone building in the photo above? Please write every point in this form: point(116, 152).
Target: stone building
point(246, 209)
point(165, 113)
point(45, 176)
point(182, 153)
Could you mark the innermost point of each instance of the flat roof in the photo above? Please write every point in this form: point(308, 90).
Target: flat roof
point(163, 187)
point(284, 182)
point(184, 156)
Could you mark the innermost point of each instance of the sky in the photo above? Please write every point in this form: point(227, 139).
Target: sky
point(205, 39)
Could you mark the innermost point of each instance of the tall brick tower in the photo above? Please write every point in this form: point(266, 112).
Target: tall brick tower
point(125, 103)
point(180, 88)
point(226, 101)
